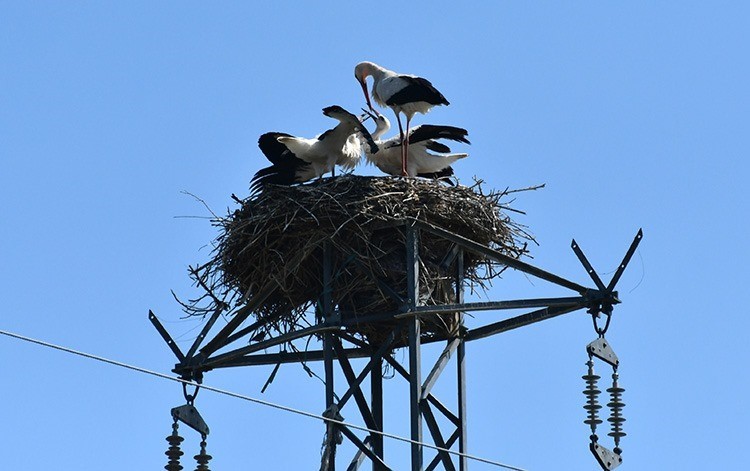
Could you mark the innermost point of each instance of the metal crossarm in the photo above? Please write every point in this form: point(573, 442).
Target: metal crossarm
point(499, 257)
point(625, 260)
point(589, 269)
point(165, 335)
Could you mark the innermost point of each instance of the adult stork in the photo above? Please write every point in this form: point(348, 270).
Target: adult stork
point(402, 93)
point(423, 138)
point(299, 159)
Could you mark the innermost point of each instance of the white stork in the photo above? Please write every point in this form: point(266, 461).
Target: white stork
point(299, 159)
point(406, 94)
point(422, 139)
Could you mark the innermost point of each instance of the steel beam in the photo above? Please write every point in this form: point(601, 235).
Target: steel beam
point(415, 354)
point(238, 317)
point(625, 260)
point(354, 386)
point(291, 357)
point(376, 401)
point(437, 436)
point(440, 364)
point(499, 257)
point(204, 331)
point(586, 265)
point(415, 391)
point(499, 305)
point(251, 328)
point(463, 462)
point(477, 306)
point(448, 444)
point(370, 367)
point(216, 361)
point(328, 340)
point(433, 400)
point(519, 321)
point(361, 445)
point(165, 335)
point(359, 457)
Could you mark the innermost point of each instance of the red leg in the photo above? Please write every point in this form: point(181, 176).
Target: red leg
point(403, 143)
point(406, 148)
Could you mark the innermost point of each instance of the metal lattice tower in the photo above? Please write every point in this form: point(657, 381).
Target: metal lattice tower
point(340, 346)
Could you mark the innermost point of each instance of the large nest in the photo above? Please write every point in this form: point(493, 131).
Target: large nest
point(275, 242)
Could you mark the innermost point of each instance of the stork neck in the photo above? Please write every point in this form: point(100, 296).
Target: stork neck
point(377, 72)
point(381, 128)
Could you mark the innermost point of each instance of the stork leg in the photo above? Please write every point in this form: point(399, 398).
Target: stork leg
point(404, 162)
point(403, 144)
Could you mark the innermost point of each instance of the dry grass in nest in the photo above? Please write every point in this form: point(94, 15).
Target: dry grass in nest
point(275, 240)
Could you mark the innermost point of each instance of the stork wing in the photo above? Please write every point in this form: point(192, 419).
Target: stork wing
point(442, 174)
point(286, 166)
point(347, 118)
point(427, 132)
point(437, 147)
point(416, 89)
point(284, 173)
point(274, 150)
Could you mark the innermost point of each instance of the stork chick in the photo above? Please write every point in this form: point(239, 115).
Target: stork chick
point(423, 138)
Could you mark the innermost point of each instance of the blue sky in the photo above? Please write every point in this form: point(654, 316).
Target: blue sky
point(634, 114)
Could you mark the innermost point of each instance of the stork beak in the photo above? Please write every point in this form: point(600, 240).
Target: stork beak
point(369, 115)
point(367, 94)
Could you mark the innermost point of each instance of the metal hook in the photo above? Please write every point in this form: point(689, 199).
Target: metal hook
point(595, 311)
point(190, 398)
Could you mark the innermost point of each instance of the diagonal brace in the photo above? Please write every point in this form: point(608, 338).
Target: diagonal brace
point(433, 400)
point(361, 445)
point(375, 358)
point(359, 397)
point(440, 364)
point(436, 435)
point(451, 440)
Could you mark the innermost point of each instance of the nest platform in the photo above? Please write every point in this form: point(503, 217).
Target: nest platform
point(275, 242)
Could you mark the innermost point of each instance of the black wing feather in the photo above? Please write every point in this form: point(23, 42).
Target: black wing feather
point(442, 174)
point(285, 163)
point(437, 147)
point(274, 150)
point(418, 89)
point(284, 173)
point(427, 132)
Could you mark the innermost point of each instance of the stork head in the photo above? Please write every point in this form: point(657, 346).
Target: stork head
point(382, 125)
point(344, 117)
point(339, 113)
point(361, 72)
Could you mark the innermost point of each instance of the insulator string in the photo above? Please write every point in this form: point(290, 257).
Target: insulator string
point(592, 403)
point(616, 405)
point(173, 452)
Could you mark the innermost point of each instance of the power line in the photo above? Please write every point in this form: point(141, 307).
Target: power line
point(249, 399)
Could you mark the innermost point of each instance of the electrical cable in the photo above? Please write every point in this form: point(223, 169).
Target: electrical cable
point(250, 399)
